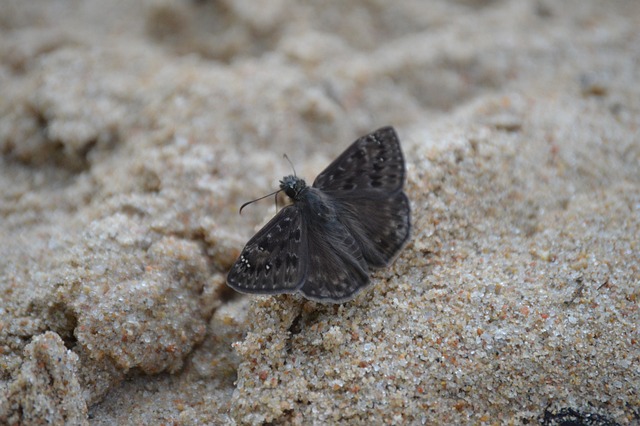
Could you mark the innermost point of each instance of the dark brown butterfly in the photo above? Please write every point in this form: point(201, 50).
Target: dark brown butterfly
point(354, 217)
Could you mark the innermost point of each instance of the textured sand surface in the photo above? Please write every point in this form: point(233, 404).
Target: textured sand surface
point(130, 132)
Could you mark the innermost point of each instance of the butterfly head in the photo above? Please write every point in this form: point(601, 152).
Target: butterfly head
point(292, 186)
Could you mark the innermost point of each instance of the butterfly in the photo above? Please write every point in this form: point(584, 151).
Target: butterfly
point(355, 217)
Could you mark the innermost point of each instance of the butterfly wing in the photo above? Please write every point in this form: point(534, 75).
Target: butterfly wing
point(337, 269)
point(373, 162)
point(275, 259)
point(380, 223)
point(365, 182)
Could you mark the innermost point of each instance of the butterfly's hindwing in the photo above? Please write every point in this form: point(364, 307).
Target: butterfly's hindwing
point(275, 259)
point(373, 162)
point(337, 269)
point(381, 223)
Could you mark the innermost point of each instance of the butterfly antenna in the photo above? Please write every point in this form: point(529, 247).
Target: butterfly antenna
point(258, 199)
point(294, 169)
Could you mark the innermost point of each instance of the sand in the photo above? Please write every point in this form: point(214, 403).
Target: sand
point(131, 132)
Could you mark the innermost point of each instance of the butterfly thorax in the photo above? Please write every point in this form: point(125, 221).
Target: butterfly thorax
point(311, 200)
point(293, 186)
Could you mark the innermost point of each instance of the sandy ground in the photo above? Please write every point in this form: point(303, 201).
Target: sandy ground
point(130, 133)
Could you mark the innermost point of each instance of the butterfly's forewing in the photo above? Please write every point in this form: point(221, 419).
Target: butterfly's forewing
point(373, 162)
point(337, 268)
point(275, 260)
point(365, 183)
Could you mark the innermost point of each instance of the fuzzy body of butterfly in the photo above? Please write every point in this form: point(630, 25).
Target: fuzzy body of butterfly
point(355, 217)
